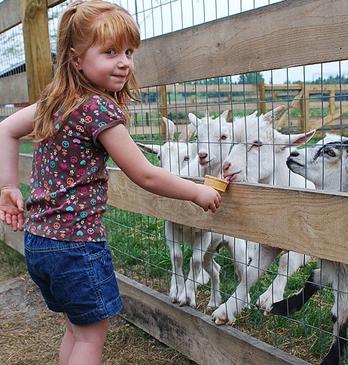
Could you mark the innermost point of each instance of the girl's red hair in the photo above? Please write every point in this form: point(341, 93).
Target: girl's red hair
point(83, 25)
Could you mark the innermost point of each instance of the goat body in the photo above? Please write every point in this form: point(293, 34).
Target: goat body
point(259, 156)
point(325, 165)
point(182, 158)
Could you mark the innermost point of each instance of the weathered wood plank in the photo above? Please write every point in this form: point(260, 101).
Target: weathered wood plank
point(12, 239)
point(280, 35)
point(237, 44)
point(193, 333)
point(10, 14)
point(13, 89)
point(291, 219)
point(202, 88)
point(37, 47)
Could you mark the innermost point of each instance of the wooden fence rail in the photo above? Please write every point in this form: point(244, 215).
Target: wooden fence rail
point(291, 219)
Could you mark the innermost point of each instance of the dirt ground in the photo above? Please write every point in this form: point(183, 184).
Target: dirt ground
point(30, 334)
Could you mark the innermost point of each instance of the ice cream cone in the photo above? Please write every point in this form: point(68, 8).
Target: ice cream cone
point(219, 185)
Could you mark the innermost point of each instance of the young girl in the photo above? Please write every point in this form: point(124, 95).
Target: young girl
point(78, 123)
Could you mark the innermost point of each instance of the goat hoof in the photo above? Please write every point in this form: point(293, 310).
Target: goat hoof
point(210, 309)
point(219, 321)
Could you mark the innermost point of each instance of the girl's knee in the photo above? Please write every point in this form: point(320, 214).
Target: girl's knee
point(93, 333)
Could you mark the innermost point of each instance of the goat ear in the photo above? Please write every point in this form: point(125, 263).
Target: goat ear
point(251, 116)
point(170, 128)
point(191, 130)
point(187, 133)
point(229, 116)
point(224, 115)
point(151, 148)
point(194, 120)
point(299, 139)
point(274, 114)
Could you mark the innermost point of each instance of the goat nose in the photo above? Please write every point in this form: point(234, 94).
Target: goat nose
point(202, 155)
point(226, 166)
point(294, 153)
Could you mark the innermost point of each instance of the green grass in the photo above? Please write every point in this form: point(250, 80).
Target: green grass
point(26, 147)
point(140, 252)
point(11, 262)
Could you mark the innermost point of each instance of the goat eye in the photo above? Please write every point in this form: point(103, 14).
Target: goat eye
point(186, 158)
point(223, 138)
point(257, 144)
point(330, 153)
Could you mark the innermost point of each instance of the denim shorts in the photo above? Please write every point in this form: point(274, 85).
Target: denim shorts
point(74, 278)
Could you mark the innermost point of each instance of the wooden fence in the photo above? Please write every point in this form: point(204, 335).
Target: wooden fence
point(293, 32)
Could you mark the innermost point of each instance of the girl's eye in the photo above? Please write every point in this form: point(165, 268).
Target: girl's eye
point(129, 52)
point(110, 52)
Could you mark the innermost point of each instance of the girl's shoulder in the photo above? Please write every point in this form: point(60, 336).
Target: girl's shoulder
point(100, 104)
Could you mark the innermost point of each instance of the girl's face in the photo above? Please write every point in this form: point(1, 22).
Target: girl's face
point(107, 68)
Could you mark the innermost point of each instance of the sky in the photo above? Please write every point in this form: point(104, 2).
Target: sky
point(157, 17)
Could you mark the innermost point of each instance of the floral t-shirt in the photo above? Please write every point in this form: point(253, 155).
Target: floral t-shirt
point(69, 176)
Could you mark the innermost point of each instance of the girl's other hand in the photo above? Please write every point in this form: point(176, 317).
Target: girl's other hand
point(11, 207)
point(207, 198)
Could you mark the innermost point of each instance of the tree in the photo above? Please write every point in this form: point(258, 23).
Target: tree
point(251, 78)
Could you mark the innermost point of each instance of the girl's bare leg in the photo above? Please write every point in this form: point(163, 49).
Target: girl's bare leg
point(83, 344)
point(67, 344)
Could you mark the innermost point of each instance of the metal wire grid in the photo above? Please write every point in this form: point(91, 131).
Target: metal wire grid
point(138, 241)
point(155, 17)
point(241, 95)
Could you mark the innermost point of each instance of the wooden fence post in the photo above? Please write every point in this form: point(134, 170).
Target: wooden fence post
point(37, 46)
point(302, 108)
point(163, 109)
point(332, 102)
point(307, 120)
point(262, 98)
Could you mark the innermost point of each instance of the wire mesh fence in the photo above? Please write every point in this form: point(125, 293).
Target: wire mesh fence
point(253, 128)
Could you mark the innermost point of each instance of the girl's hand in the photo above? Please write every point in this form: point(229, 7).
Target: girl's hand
point(207, 198)
point(11, 207)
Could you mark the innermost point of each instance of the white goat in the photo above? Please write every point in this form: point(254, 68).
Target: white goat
point(325, 165)
point(214, 140)
point(259, 156)
point(181, 158)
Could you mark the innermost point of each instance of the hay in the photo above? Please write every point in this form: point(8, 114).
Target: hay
point(31, 334)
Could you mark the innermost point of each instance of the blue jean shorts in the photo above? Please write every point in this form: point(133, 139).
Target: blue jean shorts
point(74, 278)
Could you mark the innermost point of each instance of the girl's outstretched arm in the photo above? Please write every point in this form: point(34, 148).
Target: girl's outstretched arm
point(11, 130)
point(131, 161)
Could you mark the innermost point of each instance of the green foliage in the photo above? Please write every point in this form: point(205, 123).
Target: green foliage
point(251, 78)
point(11, 262)
point(26, 147)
